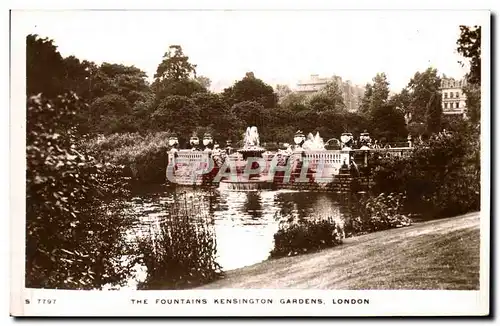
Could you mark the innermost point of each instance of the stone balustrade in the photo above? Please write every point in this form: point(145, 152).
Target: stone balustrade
point(322, 165)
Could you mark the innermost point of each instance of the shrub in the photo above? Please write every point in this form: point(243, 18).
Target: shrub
point(441, 177)
point(298, 236)
point(182, 252)
point(74, 234)
point(145, 156)
point(382, 212)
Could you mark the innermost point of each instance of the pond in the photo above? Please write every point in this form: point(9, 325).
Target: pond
point(244, 222)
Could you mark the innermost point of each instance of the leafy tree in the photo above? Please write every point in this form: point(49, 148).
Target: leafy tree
point(473, 102)
point(250, 112)
point(433, 114)
point(44, 67)
point(388, 123)
point(78, 76)
point(401, 100)
point(174, 76)
point(366, 100)
point(252, 89)
point(441, 177)
point(47, 72)
point(335, 96)
point(294, 102)
point(175, 65)
point(417, 129)
point(204, 81)
point(426, 96)
point(107, 111)
point(216, 115)
point(74, 232)
point(469, 46)
point(282, 91)
point(185, 87)
point(280, 125)
point(321, 101)
point(178, 114)
point(307, 118)
point(127, 81)
point(380, 92)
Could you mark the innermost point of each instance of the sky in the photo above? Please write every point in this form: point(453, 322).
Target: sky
point(280, 47)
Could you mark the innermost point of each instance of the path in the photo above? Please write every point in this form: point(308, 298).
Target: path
point(439, 254)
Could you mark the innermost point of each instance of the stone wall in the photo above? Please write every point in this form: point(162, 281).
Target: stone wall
point(336, 177)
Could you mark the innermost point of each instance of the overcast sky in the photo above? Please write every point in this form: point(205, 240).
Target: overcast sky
point(278, 46)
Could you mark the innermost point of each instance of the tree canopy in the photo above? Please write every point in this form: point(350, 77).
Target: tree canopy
point(252, 89)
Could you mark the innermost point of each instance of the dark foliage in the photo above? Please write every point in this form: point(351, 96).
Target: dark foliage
point(376, 213)
point(297, 236)
point(442, 176)
point(73, 231)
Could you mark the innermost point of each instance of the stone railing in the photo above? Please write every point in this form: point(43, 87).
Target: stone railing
point(334, 158)
point(323, 164)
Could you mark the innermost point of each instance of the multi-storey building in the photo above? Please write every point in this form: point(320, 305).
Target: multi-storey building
point(352, 93)
point(453, 99)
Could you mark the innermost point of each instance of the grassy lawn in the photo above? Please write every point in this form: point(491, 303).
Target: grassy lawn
point(440, 254)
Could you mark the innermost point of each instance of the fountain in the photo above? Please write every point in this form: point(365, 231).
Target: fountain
point(251, 144)
point(314, 143)
point(245, 181)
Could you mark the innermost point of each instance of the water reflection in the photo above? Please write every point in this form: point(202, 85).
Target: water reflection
point(244, 222)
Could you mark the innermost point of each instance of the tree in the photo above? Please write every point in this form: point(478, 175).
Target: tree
point(333, 91)
point(178, 114)
point(204, 81)
point(74, 223)
point(175, 75)
point(433, 113)
point(109, 113)
point(320, 102)
point(379, 92)
point(282, 91)
point(401, 100)
point(175, 65)
point(250, 112)
point(184, 87)
point(215, 114)
point(469, 46)
point(388, 123)
point(425, 96)
point(366, 100)
point(294, 102)
point(47, 72)
point(252, 89)
point(127, 81)
point(44, 67)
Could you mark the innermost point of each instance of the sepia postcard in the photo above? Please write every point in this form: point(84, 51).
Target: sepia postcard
point(250, 163)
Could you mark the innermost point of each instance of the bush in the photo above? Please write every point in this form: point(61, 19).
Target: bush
point(382, 212)
point(145, 156)
point(74, 235)
point(182, 253)
point(299, 236)
point(442, 176)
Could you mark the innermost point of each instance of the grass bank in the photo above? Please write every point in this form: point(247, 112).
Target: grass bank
point(439, 254)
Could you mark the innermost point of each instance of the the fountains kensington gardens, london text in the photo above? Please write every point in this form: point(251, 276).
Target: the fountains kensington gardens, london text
point(262, 301)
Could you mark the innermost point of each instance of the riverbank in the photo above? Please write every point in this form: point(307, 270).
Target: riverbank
point(439, 254)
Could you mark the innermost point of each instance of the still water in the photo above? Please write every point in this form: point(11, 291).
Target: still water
point(244, 222)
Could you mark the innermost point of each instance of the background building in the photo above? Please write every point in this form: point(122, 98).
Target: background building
point(453, 99)
point(352, 93)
